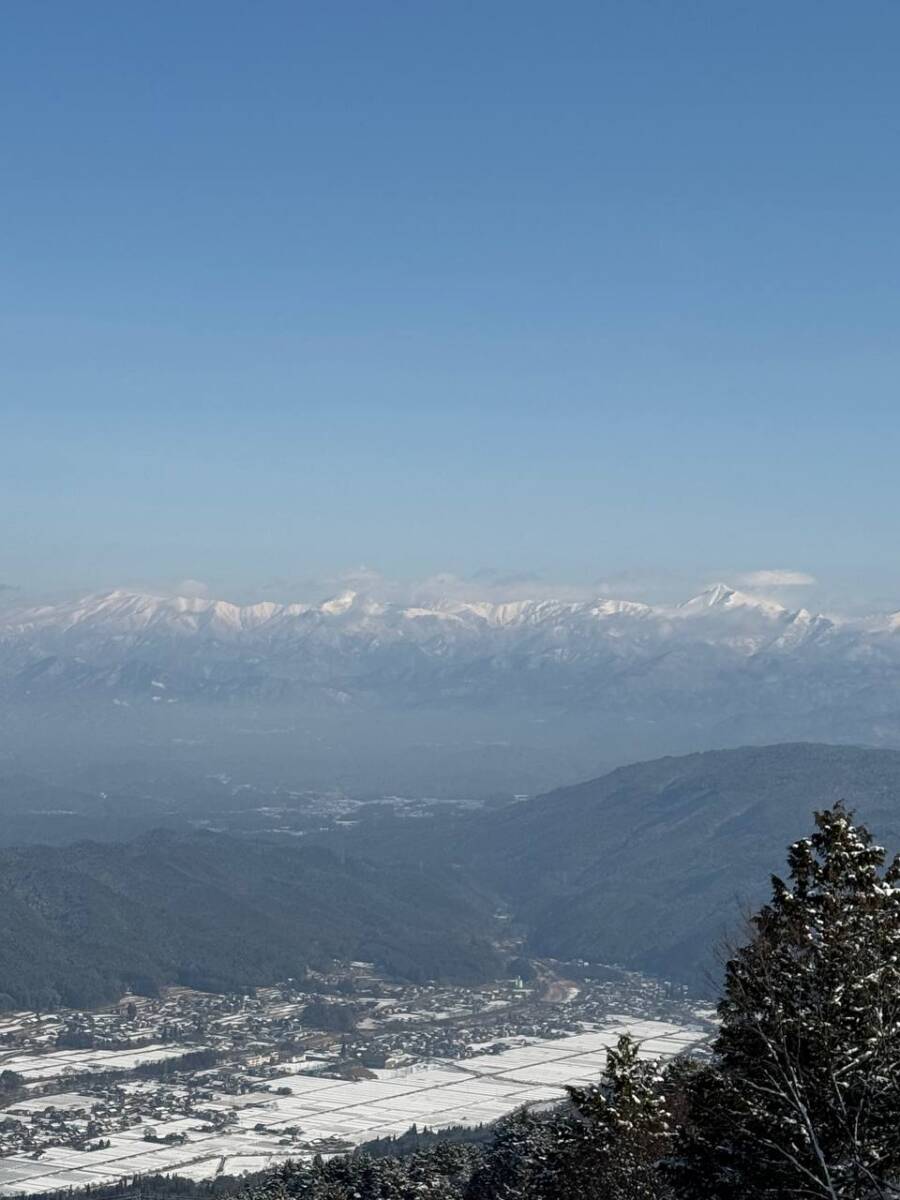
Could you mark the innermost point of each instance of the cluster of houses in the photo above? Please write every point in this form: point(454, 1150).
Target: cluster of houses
point(199, 1084)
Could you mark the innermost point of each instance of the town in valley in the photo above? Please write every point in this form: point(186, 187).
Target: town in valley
point(202, 1085)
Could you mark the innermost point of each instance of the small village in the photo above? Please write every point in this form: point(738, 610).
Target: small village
point(202, 1085)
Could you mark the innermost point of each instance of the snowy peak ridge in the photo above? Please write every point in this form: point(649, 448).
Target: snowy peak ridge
point(724, 659)
point(722, 597)
point(337, 637)
point(133, 612)
point(712, 597)
point(339, 604)
point(353, 648)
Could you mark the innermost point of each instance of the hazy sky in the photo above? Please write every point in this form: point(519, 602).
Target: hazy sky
point(568, 288)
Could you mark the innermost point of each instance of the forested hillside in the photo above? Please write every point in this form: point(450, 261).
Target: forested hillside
point(650, 865)
point(82, 924)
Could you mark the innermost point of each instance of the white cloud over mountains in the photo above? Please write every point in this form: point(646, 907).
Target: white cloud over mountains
point(195, 588)
point(776, 578)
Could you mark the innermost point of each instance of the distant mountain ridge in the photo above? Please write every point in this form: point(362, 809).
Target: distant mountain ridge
point(724, 667)
point(123, 611)
point(647, 866)
point(650, 865)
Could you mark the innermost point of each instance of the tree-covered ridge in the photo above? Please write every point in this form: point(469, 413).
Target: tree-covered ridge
point(650, 865)
point(800, 1098)
point(645, 867)
point(84, 924)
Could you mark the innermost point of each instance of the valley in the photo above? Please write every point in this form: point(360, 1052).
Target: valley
point(212, 883)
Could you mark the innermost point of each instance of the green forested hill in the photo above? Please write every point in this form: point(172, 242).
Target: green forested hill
point(81, 924)
point(650, 865)
point(653, 864)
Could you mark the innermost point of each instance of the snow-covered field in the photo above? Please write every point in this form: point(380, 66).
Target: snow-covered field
point(35, 1068)
point(470, 1091)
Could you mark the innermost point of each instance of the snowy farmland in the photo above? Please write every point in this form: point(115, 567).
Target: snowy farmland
point(39, 1068)
point(437, 1094)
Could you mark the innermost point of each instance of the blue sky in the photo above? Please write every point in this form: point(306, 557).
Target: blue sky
point(585, 291)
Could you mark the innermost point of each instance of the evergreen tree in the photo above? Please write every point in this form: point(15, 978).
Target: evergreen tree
point(804, 1098)
point(520, 1162)
point(607, 1145)
point(439, 1173)
point(623, 1133)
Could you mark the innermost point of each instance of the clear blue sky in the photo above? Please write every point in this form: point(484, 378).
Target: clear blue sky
point(571, 288)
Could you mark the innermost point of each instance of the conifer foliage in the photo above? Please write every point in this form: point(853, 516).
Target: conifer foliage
point(623, 1132)
point(608, 1144)
point(804, 1097)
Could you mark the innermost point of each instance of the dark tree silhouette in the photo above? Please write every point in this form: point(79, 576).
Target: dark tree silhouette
point(804, 1098)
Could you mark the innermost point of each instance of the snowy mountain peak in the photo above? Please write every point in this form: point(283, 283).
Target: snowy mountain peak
point(717, 595)
point(339, 604)
point(721, 596)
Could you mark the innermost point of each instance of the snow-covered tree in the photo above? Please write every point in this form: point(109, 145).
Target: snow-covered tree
point(804, 1099)
point(521, 1161)
point(624, 1130)
point(607, 1145)
point(438, 1173)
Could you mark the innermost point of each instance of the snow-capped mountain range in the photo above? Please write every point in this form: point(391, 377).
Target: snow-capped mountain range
point(128, 623)
point(723, 656)
point(125, 612)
